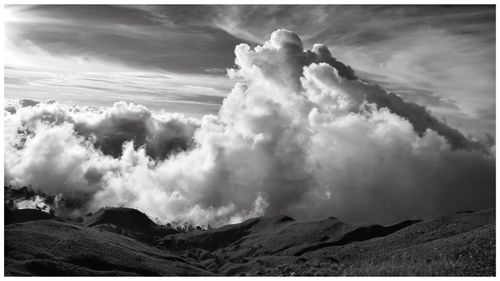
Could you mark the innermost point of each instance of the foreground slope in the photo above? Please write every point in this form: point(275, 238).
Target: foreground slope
point(457, 244)
point(50, 247)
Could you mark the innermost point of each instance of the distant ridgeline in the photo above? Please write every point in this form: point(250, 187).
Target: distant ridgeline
point(125, 241)
point(26, 200)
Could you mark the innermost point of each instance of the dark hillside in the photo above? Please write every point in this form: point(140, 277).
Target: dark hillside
point(128, 222)
point(58, 248)
point(122, 241)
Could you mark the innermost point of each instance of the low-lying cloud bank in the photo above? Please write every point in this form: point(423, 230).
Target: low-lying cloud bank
point(300, 135)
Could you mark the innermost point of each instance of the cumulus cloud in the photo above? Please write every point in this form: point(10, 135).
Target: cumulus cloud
point(108, 130)
point(11, 106)
point(300, 134)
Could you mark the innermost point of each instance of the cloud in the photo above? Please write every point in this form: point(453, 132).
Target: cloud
point(160, 135)
point(193, 40)
point(171, 38)
point(12, 105)
point(417, 115)
point(299, 134)
point(394, 41)
point(285, 50)
point(109, 129)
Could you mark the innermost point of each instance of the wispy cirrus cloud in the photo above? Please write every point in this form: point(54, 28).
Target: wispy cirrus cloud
point(97, 55)
point(130, 35)
point(420, 52)
point(191, 94)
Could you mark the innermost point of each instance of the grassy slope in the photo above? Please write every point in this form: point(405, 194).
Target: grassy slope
point(51, 247)
point(128, 222)
point(458, 244)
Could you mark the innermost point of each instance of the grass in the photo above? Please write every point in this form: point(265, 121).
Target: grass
point(455, 245)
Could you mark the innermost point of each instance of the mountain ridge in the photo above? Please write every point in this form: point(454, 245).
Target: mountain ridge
point(267, 246)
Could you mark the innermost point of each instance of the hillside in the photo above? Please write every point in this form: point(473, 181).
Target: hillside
point(128, 222)
point(457, 244)
point(56, 248)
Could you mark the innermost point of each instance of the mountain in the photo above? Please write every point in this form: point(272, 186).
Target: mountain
point(24, 215)
point(124, 217)
point(54, 248)
point(123, 241)
point(128, 222)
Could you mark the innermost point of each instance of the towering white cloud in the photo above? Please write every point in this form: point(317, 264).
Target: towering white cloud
point(300, 135)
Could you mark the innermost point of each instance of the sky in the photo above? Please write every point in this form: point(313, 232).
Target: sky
point(174, 58)
point(217, 114)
